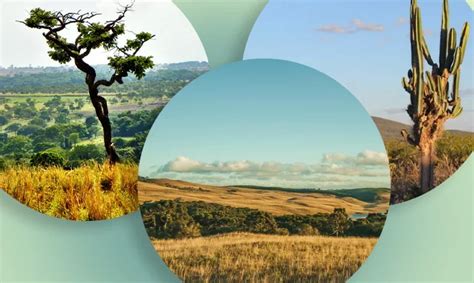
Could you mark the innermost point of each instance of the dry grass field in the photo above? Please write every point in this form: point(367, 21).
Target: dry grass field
point(244, 257)
point(89, 192)
point(272, 201)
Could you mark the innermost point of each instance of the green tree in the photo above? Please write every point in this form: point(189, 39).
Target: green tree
point(17, 147)
point(339, 222)
point(28, 130)
point(74, 138)
point(37, 121)
point(3, 120)
point(91, 36)
point(175, 222)
point(81, 153)
point(42, 146)
point(13, 127)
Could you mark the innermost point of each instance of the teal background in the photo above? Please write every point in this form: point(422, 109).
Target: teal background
point(428, 239)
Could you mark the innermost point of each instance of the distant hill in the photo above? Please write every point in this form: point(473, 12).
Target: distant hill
point(391, 129)
point(164, 79)
point(101, 69)
point(363, 194)
point(190, 65)
point(278, 201)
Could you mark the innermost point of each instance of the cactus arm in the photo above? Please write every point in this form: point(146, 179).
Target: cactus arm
point(419, 63)
point(456, 61)
point(452, 47)
point(406, 85)
point(458, 56)
point(443, 45)
point(426, 52)
point(407, 137)
point(431, 83)
point(456, 111)
point(455, 95)
point(464, 38)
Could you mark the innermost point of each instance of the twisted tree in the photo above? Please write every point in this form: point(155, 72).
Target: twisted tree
point(90, 36)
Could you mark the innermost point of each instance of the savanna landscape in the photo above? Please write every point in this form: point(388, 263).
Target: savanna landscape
point(208, 233)
point(422, 103)
point(51, 152)
point(71, 136)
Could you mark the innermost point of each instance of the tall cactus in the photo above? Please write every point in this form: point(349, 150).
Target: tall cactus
point(434, 96)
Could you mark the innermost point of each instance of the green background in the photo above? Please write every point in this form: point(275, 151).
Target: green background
point(428, 239)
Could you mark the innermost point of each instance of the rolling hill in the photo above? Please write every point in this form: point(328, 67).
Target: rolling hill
point(391, 129)
point(278, 201)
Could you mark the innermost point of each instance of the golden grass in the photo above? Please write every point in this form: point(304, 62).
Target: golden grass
point(89, 192)
point(244, 257)
point(275, 202)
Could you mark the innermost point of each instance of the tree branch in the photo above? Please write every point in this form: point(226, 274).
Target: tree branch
point(121, 15)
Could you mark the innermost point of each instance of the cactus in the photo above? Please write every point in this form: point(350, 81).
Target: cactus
point(434, 95)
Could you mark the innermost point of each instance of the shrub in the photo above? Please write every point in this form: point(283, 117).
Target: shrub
point(307, 230)
point(84, 153)
point(48, 159)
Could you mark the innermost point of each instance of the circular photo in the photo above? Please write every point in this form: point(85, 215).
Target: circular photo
point(264, 171)
point(388, 54)
point(81, 83)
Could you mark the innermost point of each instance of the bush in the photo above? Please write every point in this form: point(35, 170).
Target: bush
point(3, 120)
point(84, 153)
point(43, 146)
point(307, 230)
point(48, 159)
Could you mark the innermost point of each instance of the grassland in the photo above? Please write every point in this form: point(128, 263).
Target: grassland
point(245, 257)
point(256, 234)
point(89, 192)
point(116, 102)
point(276, 202)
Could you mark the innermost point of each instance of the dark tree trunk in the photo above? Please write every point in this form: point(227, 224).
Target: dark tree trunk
point(427, 164)
point(102, 113)
point(101, 109)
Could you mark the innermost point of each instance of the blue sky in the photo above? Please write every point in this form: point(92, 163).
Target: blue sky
point(362, 44)
point(269, 123)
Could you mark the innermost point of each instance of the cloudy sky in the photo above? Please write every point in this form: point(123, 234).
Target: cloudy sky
point(176, 40)
point(267, 123)
point(362, 44)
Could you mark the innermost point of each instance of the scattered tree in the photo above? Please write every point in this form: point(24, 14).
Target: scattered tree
point(94, 35)
point(338, 222)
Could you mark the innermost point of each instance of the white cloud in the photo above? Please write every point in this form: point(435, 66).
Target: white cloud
point(334, 171)
point(355, 26)
point(368, 157)
point(360, 25)
point(333, 28)
point(364, 158)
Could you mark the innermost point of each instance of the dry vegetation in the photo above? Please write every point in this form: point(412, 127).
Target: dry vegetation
point(89, 192)
point(274, 202)
point(452, 152)
point(243, 257)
